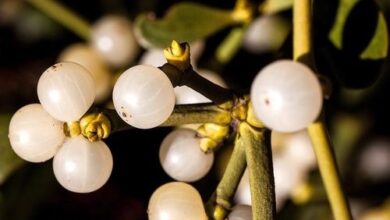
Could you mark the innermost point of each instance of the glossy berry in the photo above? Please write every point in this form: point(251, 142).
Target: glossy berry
point(265, 34)
point(297, 147)
point(66, 91)
point(241, 212)
point(176, 201)
point(286, 96)
point(143, 96)
point(82, 166)
point(112, 36)
point(34, 135)
point(90, 59)
point(182, 158)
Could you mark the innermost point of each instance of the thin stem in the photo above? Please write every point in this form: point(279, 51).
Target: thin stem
point(182, 114)
point(261, 177)
point(198, 114)
point(231, 178)
point(317, 131)
point(192, 79)
point(63, 16)
point(329, 172)
point(302, 29)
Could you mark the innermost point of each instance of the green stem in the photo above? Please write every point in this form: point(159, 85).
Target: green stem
point(231, 178)
point(63, 16)
point(302, 43)
point(328, 169)
point(317, 130)
point(261, 177)
point(198, 114)
point(182, 114)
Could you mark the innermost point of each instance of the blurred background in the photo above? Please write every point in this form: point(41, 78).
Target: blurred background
point(357, 115)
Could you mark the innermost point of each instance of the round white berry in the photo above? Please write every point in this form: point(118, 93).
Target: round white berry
point(286, 96)
point(112, 36)
point(66, 90)
point(297, 147)
point(181, 156)
point(374, 161)
point(88, 58)
point(143, 96)
point(287, 178)
point(34, 135)
point(197, 48)
point(266, 34)
point(243, 192)
point(176, 201)
point(153, 57)
point(241, 212)
point(82, 166)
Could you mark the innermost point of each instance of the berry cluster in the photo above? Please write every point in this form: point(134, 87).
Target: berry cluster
point(66, 92)
point(286, 97)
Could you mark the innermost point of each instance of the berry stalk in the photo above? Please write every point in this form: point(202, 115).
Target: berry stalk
point(302, 43)
point(328, 169)
point(180, 72)
point(182, 114)
point(317, 130)
point(261, 177)
point(220, 202)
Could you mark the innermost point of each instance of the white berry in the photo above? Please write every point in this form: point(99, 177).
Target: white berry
point(266, 34)
point(286, 96)
point(143, 96)
point(374, 161)
point(154, 57)
point(34, 135)
point(243, 192)
point(66, 90)
point(197, 48)
point(176, 201)
point(181, 156)
point(241, 212)
point(82, 166)
point(90, 59)
point(297, 146)
point(112, 36)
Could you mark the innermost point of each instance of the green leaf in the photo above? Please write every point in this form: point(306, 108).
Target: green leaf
point(336, 34)
point(9, 161)
point(274, 6)
point(376, 48)
point(183, 22)
point(229, 47)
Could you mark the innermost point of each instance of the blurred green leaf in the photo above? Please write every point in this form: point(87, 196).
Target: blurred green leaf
point(231, 44)
point(9, 161)
point(274, 6)
point(377, 47)
point(183, 22)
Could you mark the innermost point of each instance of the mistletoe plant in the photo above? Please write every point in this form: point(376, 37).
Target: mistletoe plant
point(285, 96)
